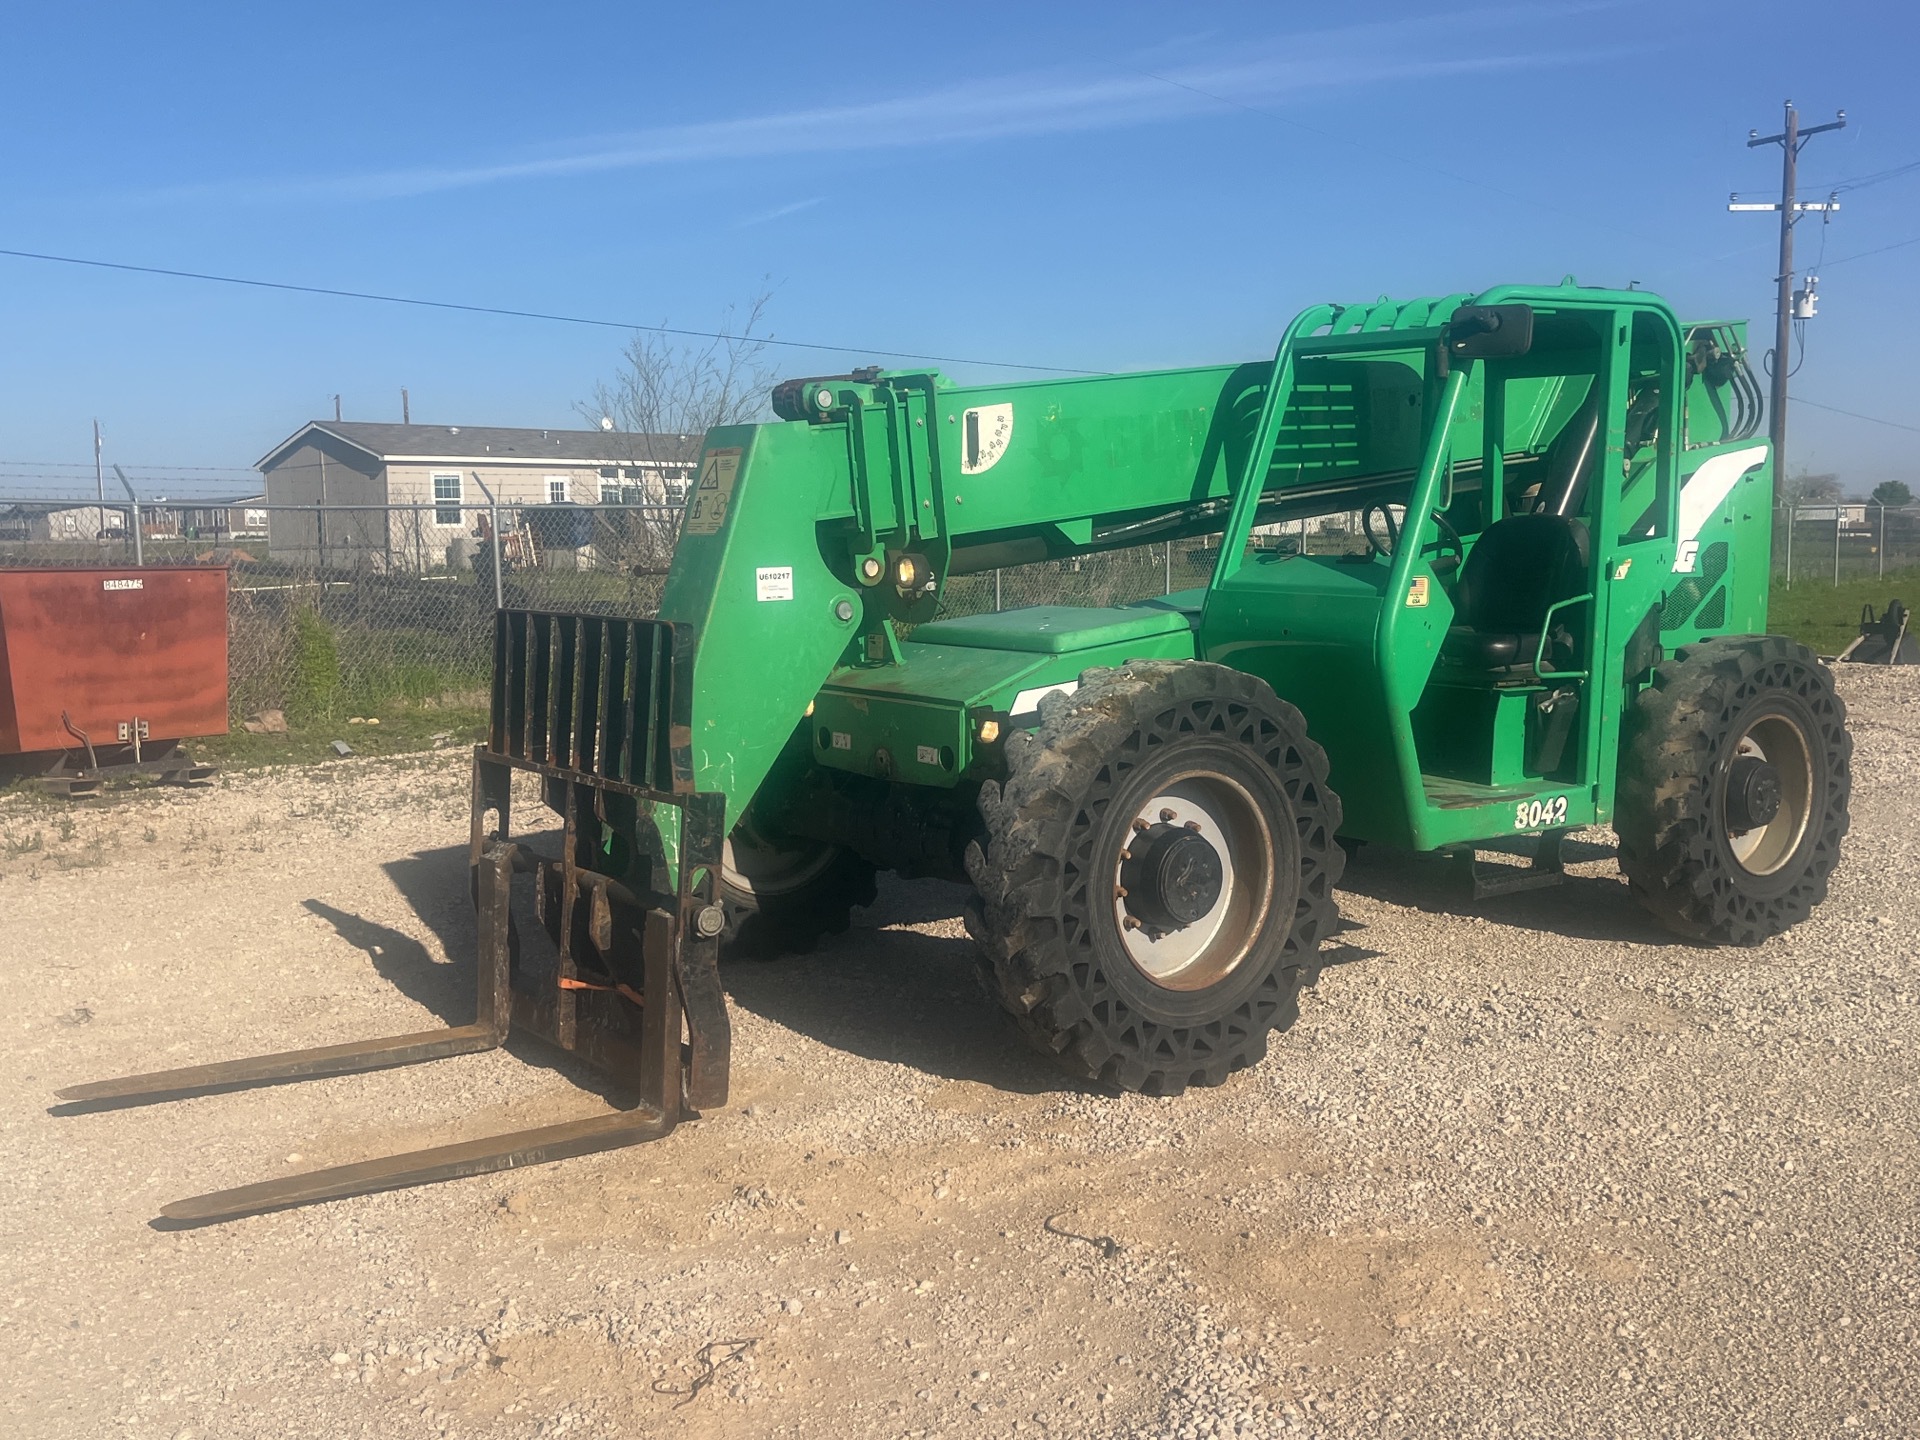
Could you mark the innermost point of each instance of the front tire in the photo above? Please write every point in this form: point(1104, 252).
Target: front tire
point(1735, 773)
point(1157, 875)
point(782, 898)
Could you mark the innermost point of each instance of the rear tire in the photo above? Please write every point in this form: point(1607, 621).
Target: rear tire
point(1735, 773)
point(1122, 946)
point(782, 898)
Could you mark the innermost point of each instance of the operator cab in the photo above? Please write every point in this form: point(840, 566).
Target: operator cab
point(1570, 435)
point(1497, 495)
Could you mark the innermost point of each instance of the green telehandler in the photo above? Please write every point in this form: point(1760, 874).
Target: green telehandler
point(1551, 614)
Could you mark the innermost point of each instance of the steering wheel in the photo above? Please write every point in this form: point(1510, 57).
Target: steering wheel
point(1449, 537)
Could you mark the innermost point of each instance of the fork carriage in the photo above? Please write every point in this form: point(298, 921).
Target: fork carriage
point(595, 708)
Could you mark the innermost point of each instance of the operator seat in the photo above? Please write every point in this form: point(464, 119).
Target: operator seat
point(1523, 564)
point(1514, 573)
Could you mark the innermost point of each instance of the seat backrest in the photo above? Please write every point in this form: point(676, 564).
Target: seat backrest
point(1570, 462)
point(1518, 568)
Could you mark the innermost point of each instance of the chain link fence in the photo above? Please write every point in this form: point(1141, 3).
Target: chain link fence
point(1836, 541)
point(1120, 577)
point(337, 610)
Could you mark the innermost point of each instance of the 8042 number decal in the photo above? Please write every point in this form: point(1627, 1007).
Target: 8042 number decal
point(1539, 814)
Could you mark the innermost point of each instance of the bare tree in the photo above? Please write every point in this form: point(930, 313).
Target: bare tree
point(667, 393)
point(1805, 489)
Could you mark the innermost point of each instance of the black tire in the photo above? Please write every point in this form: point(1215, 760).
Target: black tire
point(787, 908)
point(1050, 916)
point(1693, 851)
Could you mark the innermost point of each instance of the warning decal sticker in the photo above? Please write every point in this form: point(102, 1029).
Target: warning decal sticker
point(707, 510)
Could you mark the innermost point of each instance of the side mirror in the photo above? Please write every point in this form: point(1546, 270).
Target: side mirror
point(1489, 332)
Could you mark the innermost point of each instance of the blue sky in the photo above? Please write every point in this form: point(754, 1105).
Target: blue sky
point(1106, 186)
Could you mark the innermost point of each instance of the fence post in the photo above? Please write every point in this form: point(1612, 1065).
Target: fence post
point(133, 513)
point(1883, 540)
point(1837, 512)
point(493, 528)
point(996, 591)
point(1169, 589)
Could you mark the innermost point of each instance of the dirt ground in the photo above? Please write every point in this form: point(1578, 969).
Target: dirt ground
point(1524, 1168)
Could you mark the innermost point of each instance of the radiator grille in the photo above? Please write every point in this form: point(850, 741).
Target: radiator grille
point(589, 694)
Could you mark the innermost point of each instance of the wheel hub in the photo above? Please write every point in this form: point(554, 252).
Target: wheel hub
point(1768, 797)
point(1173, 877)
point(1193, 879)
point(1753, 793)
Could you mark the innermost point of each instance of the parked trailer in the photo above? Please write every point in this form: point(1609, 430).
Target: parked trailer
point(105, 672)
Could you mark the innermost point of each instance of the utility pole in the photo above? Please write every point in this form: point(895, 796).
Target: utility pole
point(1790, 140)
point(336, 407)
point(99, 482)
point(406, 410)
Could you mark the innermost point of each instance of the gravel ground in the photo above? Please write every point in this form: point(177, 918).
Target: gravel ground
point(1523, 1168)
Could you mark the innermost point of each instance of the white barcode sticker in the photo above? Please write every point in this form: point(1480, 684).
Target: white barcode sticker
point(773, 582)
point(123, 584)
point(929, 754)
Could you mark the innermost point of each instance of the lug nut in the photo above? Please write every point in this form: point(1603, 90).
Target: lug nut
point(1126, 855)
point(1142, 825)
point(1193, 825)
point(1119, 892)
point(1165, 815)
point(710, 920)
point(1131, 922)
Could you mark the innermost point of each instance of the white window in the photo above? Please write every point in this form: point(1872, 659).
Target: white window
point(447, 497)
point(557, 489)
point(676, 487)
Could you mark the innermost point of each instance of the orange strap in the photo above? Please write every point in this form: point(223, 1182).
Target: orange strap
point(626, 990)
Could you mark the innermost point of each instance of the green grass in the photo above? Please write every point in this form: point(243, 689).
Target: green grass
point(402, 729)
point(1824, 616)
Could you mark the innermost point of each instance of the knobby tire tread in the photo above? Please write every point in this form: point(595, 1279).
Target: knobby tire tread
point(1030, 917)
point(1673, 738)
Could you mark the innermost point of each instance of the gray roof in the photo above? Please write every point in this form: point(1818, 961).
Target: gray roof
point(22, 509)
point(480, 443)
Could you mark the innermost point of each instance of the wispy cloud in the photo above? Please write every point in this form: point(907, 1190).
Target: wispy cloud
point(779, 212)
point(1312, 65)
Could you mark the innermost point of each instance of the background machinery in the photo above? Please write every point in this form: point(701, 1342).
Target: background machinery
point(1558, 620)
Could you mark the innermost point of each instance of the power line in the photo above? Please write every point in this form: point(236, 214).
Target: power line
point(528, 314)
point(1896, 245)
point(1878, 177)
point(1855, 414)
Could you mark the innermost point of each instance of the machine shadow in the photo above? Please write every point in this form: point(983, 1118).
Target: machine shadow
point(884, 990)
point(447, 990)
point(899, 995)
point(1580, 907)
point(885, 993)
point(436, 886)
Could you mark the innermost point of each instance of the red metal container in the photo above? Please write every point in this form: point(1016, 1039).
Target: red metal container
point(145, 649)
